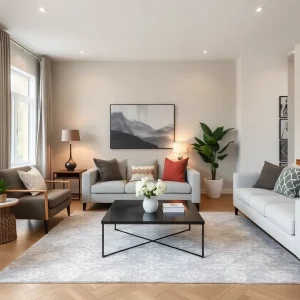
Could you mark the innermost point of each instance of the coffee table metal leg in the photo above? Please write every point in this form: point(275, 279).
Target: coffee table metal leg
point(203, 240)
point(189, 227)
point(102, 240)
point(115, 226)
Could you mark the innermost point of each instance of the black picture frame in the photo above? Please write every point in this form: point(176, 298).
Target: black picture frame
point(283, 107)
point(283, 151)
point(123, 140)
point(283, 129)
point(284, 164)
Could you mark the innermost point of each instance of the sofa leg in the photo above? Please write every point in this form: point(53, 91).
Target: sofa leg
point(236, 211)
point(84, 206)
point(68, 210)
point(197, 206)
point(46, 226)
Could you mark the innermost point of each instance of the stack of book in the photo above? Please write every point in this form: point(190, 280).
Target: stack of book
point(173, 208)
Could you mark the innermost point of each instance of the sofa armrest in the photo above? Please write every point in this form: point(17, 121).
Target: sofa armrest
point(244, 180)
point(193, 178)
point(89, 178)
point(297, 226)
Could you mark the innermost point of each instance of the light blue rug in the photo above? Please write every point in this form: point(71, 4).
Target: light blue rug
point(236, 252)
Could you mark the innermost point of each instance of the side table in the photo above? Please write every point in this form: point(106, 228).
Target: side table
point(65, 174)
point(8, 231)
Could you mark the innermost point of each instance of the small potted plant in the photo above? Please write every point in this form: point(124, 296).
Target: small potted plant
point(210, 152)
point(3, 189)
point(150, 190)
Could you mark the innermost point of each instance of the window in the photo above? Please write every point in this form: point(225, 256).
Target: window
point(23, 97)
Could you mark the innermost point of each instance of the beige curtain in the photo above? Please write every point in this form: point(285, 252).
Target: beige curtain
point(5, 100)
point(43, 145)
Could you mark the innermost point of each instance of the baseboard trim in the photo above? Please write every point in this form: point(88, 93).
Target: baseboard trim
point(224, 191)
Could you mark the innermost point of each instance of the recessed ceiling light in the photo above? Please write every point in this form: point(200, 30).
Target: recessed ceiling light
point(42, 10)
point(205, 51)
point(81, 52)
point(259, 9)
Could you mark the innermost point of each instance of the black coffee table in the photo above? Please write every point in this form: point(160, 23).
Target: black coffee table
point(132, 212)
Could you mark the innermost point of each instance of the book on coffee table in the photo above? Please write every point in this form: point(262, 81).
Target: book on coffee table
point(173, 207)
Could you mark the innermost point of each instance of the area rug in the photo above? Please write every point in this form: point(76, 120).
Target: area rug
point(236, 251)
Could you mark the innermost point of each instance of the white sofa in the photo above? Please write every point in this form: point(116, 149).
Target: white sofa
point(107, 192)
point(276, 214)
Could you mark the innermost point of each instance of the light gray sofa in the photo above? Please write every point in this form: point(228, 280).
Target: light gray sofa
point(107, 192)
point(276, 214)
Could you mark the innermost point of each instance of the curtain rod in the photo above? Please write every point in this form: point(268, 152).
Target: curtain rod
point(28, 51)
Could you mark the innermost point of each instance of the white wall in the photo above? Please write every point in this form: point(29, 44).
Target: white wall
point(263, 77)
point(291, 109)
point(83, 92)
point(297, 102)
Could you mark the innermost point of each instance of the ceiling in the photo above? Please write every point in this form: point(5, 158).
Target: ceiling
point(151, 29)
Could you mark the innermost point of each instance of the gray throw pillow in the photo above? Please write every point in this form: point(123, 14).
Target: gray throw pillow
point(268, 176)
point(288, 183)
point(108, 169)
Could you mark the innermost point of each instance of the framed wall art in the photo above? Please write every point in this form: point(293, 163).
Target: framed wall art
point(142, 126)
point(283, 107)
point(283, 129)
point(283, 151)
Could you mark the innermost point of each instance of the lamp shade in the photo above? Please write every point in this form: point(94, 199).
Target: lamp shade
point(180, 147)
point(70, 135)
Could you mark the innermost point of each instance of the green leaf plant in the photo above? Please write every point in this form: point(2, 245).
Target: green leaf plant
point(209, 147)
point(3, 186)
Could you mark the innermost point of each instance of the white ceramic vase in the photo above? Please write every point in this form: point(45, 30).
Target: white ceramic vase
point(150, 205)
point(213, 187)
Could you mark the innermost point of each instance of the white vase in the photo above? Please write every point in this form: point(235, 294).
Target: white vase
point(213, 187)
point(150, 205)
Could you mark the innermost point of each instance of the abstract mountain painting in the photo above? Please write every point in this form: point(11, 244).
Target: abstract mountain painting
point(142, 126)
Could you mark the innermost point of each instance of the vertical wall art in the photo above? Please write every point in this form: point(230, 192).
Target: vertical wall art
point(283, 130)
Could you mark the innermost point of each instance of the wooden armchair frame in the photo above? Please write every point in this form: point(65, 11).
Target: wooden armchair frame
point(45, 192)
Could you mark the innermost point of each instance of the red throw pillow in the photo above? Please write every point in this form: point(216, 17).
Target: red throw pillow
point(175, 170)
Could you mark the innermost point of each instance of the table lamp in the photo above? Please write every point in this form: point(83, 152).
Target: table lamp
point(180, 148)
point(70, 135)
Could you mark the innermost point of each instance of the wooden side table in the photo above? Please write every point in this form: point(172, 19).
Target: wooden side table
point(8, 231)
point(65, 174)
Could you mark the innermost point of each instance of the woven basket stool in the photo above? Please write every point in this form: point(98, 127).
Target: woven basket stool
point(8, 230)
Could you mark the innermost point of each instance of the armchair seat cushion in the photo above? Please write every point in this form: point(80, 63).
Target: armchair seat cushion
point(109, 187)
point(55, 197)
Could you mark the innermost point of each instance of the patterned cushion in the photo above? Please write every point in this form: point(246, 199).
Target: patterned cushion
point(288, 183)
point(138, 172)
point(33, 180)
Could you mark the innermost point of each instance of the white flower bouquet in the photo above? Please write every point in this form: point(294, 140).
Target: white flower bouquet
point(148, 188)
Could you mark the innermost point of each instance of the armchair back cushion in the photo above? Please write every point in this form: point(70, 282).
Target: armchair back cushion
point(13, 180)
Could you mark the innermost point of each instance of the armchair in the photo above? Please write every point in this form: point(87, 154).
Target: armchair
point(41, 207)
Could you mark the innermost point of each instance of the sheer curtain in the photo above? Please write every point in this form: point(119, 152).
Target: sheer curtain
point(43, 147)
point(5, 100)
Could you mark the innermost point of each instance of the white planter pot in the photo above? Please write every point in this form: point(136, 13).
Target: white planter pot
point(213, 187)
point(150, 205)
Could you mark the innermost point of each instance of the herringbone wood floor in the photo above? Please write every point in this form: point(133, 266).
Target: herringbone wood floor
point(31, 231)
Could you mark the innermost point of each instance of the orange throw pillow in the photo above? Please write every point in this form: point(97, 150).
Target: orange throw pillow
point(175, 170)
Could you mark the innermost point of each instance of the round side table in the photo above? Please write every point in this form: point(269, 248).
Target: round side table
point(8, 230)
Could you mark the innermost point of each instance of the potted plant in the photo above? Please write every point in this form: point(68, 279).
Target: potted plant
point(210, 152)
point(150, 190)
point(3, 189)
